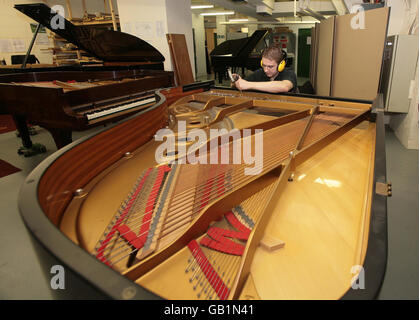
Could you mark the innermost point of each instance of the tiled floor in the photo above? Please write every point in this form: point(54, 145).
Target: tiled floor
point(21, 276)
point(402, 275)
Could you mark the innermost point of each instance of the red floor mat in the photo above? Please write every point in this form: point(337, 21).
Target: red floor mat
point(6, 169)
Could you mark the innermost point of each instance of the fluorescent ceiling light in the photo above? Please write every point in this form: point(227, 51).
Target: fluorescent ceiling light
point(238, 20)
point(224, 13)
point(203, 6)
point(273, 23)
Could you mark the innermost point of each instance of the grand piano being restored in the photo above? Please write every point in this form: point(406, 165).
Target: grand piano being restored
point(68, 98)
point(128, 216)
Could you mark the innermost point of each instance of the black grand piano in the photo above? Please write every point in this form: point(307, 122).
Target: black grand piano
point(64, 99)
point(237, 53)
point(115, 49)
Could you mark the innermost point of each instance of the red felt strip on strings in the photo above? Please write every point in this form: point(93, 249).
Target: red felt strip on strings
point(212, 276)
point(126, 232)
point(218, 238)
point(115, 227)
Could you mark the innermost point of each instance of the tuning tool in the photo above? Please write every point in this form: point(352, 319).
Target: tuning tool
point(230, 74)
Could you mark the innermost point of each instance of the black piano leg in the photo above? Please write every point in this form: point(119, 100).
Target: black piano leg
point(62, 137)
point(28, 149)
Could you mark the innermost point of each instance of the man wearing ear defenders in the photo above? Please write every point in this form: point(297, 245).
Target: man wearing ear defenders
point(273, 77)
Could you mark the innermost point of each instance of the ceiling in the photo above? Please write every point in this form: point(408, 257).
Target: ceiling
point(280, 10)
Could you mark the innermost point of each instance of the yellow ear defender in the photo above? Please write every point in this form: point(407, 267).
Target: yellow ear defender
point(281, 65)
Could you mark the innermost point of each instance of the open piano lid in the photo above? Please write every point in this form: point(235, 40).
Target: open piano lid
point(106, 45)
point(239, 47)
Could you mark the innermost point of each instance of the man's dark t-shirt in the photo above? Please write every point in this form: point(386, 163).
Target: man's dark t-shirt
point(287, 74)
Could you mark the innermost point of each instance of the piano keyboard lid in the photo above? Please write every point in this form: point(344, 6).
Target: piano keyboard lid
point(106, 45)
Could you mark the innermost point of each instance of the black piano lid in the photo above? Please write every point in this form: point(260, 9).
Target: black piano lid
point(239, 47)
point(106, 45)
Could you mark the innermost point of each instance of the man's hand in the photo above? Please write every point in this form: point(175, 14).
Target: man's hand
point(233, 78)
point(241, 84)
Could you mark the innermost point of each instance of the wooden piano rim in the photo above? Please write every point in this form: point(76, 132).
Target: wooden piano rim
point(75, 258)
point(63, 249)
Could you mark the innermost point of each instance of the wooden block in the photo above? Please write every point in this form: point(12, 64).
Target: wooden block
point(270, 243)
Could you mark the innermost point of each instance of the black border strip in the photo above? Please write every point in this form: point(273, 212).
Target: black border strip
point(376, 256)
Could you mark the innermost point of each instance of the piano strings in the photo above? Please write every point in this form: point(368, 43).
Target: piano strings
point(214, 264)
point(177, 217)
point(124, 243)
point(197, 197)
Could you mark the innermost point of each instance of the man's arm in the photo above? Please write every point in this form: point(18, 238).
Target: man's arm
point(267, 86)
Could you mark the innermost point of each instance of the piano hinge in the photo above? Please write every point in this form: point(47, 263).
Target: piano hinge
point(383, 189)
